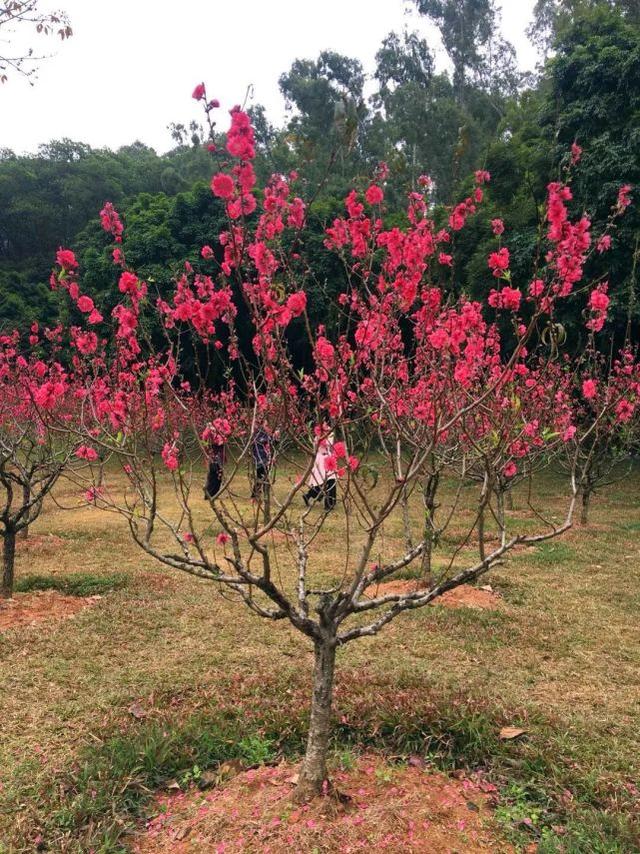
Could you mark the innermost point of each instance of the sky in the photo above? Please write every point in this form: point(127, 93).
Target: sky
point(131, 65)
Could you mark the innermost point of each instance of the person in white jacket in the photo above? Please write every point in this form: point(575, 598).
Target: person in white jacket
point(322, 482)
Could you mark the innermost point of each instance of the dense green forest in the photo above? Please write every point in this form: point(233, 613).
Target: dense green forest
point(484, 114)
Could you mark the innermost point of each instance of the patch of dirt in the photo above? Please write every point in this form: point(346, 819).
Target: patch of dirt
point(39, 543)
point(464, 596)
point(27, 609)
point(155, 580)
point(389, 808)
point(467, 596)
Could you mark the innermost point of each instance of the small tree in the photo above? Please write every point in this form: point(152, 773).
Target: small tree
point(606, 432)
point(535, 418)
point(37, 404)
point(412, 382)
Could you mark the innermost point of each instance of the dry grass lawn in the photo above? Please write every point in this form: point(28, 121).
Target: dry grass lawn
point(163, 677)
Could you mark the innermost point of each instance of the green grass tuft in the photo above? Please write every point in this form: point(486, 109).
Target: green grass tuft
point(92, 805)
point(552, 553)
point(77, 584)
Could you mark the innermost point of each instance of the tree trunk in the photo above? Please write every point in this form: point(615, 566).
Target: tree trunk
point(430, 488)
point(508, 498)
point(26, 498)
point(313, 772)
point(406, 520)
point(8, 562)
point(266, 494)
point(481, 532)
point(426, 575)
point(500, 513)
point(586, 501)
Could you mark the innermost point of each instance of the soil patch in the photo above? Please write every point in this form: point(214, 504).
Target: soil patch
point(39, 543)
point(155, 580)
point(27, 609)
point(391, 808)
point(464, 596)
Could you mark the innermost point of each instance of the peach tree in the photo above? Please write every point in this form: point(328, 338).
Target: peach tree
point(412, 389)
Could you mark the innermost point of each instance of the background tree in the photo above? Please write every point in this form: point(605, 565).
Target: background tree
point(419, 126)
point(47, 199)
point(466, 29)
point(552, 18)
point(599, 455)
point(327, 125)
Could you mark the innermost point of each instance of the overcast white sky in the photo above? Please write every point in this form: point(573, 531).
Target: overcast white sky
point(131, 65)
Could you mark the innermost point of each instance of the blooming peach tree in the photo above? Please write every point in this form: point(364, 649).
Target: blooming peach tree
point(411, 382)
point(605, 435)
point(38, 404)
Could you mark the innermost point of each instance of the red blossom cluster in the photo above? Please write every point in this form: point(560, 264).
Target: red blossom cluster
point(67, 278)
point(570, 241)
point(610, 394)
point(112, 223)
point(240, 137)
point(598, 306)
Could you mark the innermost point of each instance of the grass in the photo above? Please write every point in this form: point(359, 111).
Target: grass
point(77, 584)
point(553, 553)
point(210, 682)
point(115, 779)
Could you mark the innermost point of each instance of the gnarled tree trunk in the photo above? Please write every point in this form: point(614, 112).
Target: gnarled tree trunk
point(314, 766)
point(8, 562)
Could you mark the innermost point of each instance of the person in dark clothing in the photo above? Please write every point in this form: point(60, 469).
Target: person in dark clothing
point(215, 472)
point(263, 455)
point(328, 491)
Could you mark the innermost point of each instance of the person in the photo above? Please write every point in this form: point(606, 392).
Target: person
point(263, 455)
point(322, 482)
point(215, 472)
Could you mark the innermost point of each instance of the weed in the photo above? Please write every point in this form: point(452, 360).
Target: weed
point(345, 758)
point(255, 749)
